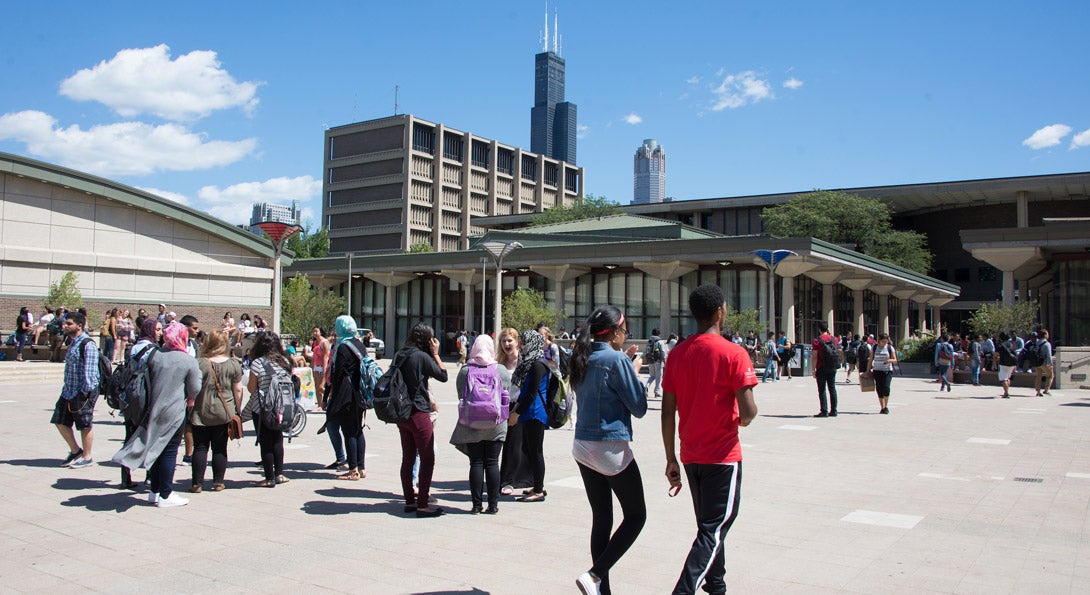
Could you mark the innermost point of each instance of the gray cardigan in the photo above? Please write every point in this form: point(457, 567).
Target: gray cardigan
point(174, 378)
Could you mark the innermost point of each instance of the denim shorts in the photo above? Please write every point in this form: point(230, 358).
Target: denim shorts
point(79, 410)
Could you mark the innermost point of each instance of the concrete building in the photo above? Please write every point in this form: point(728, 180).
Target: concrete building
point(129, 248)
point(265, 211)
point(553, 125)
point(395, 182)
point(649, 173)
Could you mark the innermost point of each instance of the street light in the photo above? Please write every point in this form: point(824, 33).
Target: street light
point(484, 286)
point(279, 233)
point(771, 258)
point(499, 250)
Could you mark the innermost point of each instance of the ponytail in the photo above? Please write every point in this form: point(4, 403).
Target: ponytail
point(599, 324)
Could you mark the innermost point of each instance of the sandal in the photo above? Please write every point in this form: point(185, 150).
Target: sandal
point(218, 487)
point(507, 490)
point(265, 483)
point(529, 491)
point(534, 497)
point(350, 476)
point(195, 488)
point(282, 479)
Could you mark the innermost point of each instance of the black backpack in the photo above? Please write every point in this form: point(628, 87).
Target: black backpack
point(275, 406)
point(118, 393)
point(1007, 357)
point(105, 367)
point(862, 354)
point(393, 404)
point(830, 359)
point(1031, 354)
point(654, 351)
point(852, 353)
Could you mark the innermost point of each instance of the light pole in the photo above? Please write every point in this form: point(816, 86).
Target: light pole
point(771, 258)
point(484, 285)
point(279, 233)
point(499, 250)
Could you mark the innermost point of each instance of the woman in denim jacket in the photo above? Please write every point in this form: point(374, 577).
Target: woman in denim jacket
point(609, 393)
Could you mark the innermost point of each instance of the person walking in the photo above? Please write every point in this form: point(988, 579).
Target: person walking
point(608, 388)
point(771, 355)
point(268, 360)
point(343, 396)
point(1008, 360)
point(708, 392)
point(1044, 370)
point(514, 467)
point(482, 442)
point(826, 361)
point(151, 332)
point(532, 376)
point(419, 361)
point(76, 404)
point(880, 367)
point(319, 354)
point(175, 382)
point(220, 399)
point(23, 325)
point(974, 359)
point(462, 341)
point(655, 355)
point(944, 358)
point(783, 352)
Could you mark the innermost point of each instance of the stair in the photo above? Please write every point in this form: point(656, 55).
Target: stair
point(30, 372)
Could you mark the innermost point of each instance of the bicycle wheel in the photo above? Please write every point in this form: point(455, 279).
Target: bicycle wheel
point(298, 422)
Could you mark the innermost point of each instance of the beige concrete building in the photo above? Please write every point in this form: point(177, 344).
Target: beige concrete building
point(395, 182)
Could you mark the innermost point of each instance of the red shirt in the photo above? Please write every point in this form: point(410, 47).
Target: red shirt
point(704, 372)
point(817, 351)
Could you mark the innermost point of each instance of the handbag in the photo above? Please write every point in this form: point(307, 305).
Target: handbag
point(866, 382)
point(234, 425)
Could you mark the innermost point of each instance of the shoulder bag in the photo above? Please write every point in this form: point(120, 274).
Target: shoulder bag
point(234, 425)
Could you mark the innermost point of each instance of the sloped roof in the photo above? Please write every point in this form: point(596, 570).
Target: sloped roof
point(597, 230)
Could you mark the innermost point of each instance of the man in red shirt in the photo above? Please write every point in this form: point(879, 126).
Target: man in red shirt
point(708, 384)
point(825, 367)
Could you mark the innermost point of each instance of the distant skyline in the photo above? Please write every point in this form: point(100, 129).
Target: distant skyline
point(222, 105)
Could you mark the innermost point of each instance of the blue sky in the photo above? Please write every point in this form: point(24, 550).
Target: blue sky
point(222, 104)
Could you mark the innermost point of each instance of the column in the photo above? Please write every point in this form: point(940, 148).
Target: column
point(827, 293)
point(561, 303)
point(1008, 288)
point(665, 308)
point(857, 312)
point(902, 317)
point(921, 311)
point(883, 314)
point(936, 319)
point(1022, 206)
point(788, 308)
point(391, 317)
point(467, 308)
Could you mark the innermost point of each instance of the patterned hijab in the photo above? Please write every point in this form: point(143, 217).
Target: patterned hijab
point(176, 337)
point(483, 352)
point(533, 349)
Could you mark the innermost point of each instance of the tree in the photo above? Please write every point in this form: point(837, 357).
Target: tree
point(309, 245)
point(420, 248)
point(64, 292)
point(304, 307)
point(588, 208)
point(994, 318)
point(524, 308)
point(744, 321)
point(844, 218)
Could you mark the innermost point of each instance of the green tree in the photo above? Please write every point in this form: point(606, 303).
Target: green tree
point(303, 307)
point(420, 248)
point(994, 318)
point(524, 308)
point(844, 218)
point(589, 207)
point(309, 245)
point(64, 292)
point(744, 321)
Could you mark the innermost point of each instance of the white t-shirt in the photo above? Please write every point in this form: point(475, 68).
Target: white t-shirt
point(608, 457)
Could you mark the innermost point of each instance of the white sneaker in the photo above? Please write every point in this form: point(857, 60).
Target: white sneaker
point(588, 584)
point(171, 501)
point(153, 497)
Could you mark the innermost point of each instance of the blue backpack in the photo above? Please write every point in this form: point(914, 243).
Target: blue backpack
point(369, 375)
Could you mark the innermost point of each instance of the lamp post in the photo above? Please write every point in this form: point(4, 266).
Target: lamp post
point(279, 233)
point(499, 250)
point(484, 285)
point(771, 258)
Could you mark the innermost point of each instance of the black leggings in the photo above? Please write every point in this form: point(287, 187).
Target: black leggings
point(628, 486)
point(272, 451)
point(533, 446)
point(355, 444)
point(882, 382)
point(484, 459)
point(203, 437)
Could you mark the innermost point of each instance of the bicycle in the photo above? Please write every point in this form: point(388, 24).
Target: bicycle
point(299, 421)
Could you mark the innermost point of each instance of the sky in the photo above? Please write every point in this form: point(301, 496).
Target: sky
point(221, 104)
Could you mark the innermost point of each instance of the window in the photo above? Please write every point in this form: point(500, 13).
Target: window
point(529, 167)
point(424, 139)
point(453, 146)
point(987, 273)
point(505, 162)
point(571, 180)
point(480, 154)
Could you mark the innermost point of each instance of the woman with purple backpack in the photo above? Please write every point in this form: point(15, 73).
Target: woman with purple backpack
point(483, 406)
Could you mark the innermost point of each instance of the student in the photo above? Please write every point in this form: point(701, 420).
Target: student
point(482, 444)
point(343, 394)
point(419, 361)
point(219, 400)
point(268, 360)
point(607, 385)
point(771, 355)
point(825, 367)
point(880, 367)
point(514, 468)
point(708, 387)
point(76, 404)
point(1008, 361)
point(532, 375)
point(944, 359)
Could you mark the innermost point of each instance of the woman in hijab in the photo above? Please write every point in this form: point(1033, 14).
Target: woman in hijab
point(342, 396)
point(151, 331)
point(514, 467)
point(532, 375)
point(482, 444)
point(175, 382)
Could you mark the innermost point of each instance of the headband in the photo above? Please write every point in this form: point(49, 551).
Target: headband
point(606, 330)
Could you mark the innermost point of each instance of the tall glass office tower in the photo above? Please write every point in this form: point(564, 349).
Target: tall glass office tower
point(552, 120)
point(649, 173)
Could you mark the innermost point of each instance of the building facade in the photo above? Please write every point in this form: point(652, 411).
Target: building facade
point(649, 173)
point(265, 211)
point(401, 181)
point(553, 125)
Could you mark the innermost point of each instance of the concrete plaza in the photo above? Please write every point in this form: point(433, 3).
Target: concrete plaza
point(956, 492)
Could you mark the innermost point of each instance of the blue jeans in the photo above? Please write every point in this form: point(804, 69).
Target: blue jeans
point(974, 368)
point(161, 472)
point(333, 428)
point(770, 370)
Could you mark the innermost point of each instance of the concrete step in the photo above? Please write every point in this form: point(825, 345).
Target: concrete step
point(30, 372)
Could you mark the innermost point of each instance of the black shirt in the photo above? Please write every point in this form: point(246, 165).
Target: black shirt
point(417, 367)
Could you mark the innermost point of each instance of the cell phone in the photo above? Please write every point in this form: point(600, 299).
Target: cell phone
point(637, 354)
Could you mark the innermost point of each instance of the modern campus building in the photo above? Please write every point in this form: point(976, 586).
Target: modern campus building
point(649, 173)
point(553, 125)
point(265, 211)
point(396, 182)
point(129, 248)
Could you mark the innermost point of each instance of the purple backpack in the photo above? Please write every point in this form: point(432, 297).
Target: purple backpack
point(485, 403)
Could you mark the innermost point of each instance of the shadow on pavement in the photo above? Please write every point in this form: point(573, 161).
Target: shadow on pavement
point(33, 463)
point(327, 508)
point(1075, 404)
point(79, 483)
point(783, 416)
point(117, 501)
point(473, 591)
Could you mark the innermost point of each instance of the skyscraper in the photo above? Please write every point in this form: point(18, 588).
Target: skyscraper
point(552, 120)
point(649, 173)
point(266, 211)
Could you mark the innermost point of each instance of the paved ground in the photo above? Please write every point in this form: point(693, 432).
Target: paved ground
point(953, 492)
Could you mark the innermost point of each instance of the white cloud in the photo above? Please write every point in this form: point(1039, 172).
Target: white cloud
point(121, 149)
point(146, 80)
point(632, 118)
point(581, 131)
point(167, 194)
point(1049, 136)
point(741, 89)
point(792, 83)
point(693, 80)
point(234, 203)
point(1081, 139)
